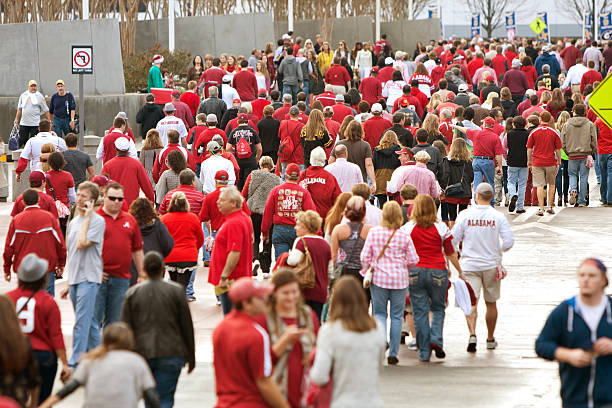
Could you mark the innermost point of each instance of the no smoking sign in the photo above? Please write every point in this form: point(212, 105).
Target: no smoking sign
point(82, 59)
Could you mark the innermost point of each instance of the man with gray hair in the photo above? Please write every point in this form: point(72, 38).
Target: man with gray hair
point(418, 175)
point(320, 183)
point(213, 105)
point(550, 81)
point(212, 165)
point(479, 228)
point(347, 174)
point(281, 112)
point(232, 253)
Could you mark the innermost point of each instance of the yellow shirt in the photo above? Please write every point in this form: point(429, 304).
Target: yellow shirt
point(325, 61)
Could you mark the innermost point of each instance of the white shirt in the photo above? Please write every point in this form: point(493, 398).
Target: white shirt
point(211, 166)
point(228, 94)
point(31, 150)
point(32, 105)
point(480, 227)
point(131, 151)
point(392, 91)
point(430, 65)
point(592, 314)
point(363, 59)
point(347, 174)
point(574, 75)
point(170, 122)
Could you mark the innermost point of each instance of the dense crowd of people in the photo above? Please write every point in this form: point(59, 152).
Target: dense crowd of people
point(349, 178)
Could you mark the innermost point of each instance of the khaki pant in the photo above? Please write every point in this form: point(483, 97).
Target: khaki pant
point(338, 89)
point(487, 281)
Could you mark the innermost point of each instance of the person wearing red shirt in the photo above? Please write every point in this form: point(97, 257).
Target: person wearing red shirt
point(406, 100)
point(35, 231)
point(161, 164)
point(569, 54)
point(182, 110)
point(386, 74)
point(302, 117)
point(186, 230)
point(487, 150)
point(590, 77)
point(320, 183)
point(338, 77)
point(201, 141)
point(445, 126)
point(516, 80)
point(340, 109)
point(279, 114)
point(130, 173)
point(284, 202)
point(45, 201)
point(475, 64)
point(416, 92)
point(374, 127)
point(241, 351)
point(370, 87)
point(260, 103)
point(213, 76)
point(327, 98)
point(604, 151)
point(40, 319)
point(60, 186)
point(232, 253)
point(122, 245)
point(194, 132)
point(500, 63)
point(106, 149)
point(437, 74)
point(291, 129)
point(187, 187)
point(510, 55)
point(544, 158)
point(245, 83)
point(191, 98)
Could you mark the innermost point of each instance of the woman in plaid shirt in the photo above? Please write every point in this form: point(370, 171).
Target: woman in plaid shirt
point(390, 277)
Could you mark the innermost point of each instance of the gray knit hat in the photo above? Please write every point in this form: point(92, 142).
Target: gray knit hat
point(32, 268)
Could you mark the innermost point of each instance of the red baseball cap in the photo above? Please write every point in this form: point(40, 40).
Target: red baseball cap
point(221, 175)
point(292, 171)
point(405, 151)
point(101, 180)
point(236, 100)
point(37, 177)
point(489, 77)
point(262, 92)
point(246, 288)
point(176, 93)
point(489, 121)
point(375, 70)
point(403, 103)
point(243, 117)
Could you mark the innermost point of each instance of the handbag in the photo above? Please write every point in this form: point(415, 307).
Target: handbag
point(304, 270)
point(457, 188)
point(13, 140)
point(62, 209)
point(337, 272)
point(369, 275)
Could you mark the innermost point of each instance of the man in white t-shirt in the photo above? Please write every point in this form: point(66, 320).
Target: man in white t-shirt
point(479, 228)
point(32, 150)
point(212, 165)
point(30, 108)
point(171, 122)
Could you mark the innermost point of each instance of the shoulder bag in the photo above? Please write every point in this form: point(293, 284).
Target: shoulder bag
point(367, 279)
point(62, 209)
point(455, 189)
point(304, 270)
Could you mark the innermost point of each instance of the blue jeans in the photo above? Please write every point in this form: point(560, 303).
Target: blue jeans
point(51, 284)
point(205, 253)
point(83, 297)
point(428, 292)
point(605, 170)
point(577, 168)
point(517, 182)
point(282, 239)
point(562, 180)
point(47, 368)
point(226, 303)
point(306, 90)
point(486, 168)
point(108, 306)
point(397, 299)
point(291, 90)
point(61, 126)
point(166, 372)
point(597, 168)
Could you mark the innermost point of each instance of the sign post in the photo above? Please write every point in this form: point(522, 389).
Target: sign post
point(82, 63)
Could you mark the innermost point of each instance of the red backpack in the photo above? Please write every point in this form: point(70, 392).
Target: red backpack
point(287, 147)
point(243, 149)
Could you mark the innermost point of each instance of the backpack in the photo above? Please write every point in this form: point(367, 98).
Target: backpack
point(243, 149)
point(286, 147)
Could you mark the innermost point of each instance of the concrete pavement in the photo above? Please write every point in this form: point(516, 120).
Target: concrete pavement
point(541, 273)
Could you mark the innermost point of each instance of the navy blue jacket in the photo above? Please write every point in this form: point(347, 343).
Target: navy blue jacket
point(62, 105)
point(580, 387)
point(551, 60)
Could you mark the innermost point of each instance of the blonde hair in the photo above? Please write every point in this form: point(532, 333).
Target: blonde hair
point(309, 219)
point(152, 141)
point(562, 119)
point(387, 140)
point(46, 148)
point(546, 97)
point(459, 151)
point(349, 305)
point(424, 212)
point(334, 216)
point(116, 336)
point(490, 97)
point(392, 217)
point(431, 124)
point(178, 203)
point(436, 99)
point(266, 161)
point(315, 124)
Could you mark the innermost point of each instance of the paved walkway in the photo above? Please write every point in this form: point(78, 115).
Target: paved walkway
point(541, 268)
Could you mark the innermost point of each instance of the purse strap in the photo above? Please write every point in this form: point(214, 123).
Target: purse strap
point(462, 171)
point(385, 246)
point(26, 302)
point(50, 187)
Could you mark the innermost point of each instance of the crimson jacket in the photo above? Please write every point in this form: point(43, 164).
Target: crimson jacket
point(131, 174)
point(284, 202)
point(161, 164)
point(322, 186)
point(38, 231)
point(373, 129)
point(245, 84)
point(186, 230)
point(292, 128)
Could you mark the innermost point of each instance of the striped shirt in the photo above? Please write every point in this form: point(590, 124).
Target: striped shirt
point(194, 197)
point(391, 271)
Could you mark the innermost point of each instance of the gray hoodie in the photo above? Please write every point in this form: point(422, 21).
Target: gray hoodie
point(290, 70)
point(579, 137)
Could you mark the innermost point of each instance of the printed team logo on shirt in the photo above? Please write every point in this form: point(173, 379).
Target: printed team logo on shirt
point(481, 223)
point(126, 224)
point(289, 202)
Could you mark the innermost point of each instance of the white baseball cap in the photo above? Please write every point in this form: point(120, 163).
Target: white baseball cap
point(377, 107)
point(122, 144)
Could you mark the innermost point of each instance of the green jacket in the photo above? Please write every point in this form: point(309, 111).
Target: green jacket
point(155, 78)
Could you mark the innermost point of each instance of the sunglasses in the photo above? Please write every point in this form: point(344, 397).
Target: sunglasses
point(120, 199)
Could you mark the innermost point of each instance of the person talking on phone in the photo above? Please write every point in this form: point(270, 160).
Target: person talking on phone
point(84, 240)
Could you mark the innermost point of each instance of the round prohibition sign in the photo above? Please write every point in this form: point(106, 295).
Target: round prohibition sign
point(81, 59)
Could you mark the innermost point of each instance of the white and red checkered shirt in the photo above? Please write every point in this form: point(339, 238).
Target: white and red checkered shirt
point(391, 271)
